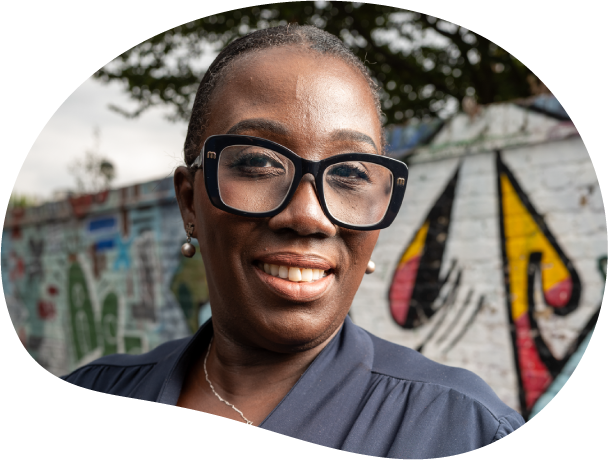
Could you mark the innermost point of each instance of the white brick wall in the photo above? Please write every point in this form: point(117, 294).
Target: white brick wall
point(560, 182)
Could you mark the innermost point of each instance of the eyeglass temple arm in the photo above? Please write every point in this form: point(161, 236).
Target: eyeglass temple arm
point(198, 162)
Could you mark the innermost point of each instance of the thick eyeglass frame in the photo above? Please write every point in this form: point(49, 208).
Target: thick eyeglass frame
point(210, 154)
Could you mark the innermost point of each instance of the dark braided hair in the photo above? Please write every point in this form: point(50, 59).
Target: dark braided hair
point(310, 37)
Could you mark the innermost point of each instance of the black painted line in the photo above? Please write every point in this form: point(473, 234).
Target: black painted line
point(447, 303)
point(456, 319)
point(467, 325)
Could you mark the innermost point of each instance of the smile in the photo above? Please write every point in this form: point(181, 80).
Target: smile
point(295, 277)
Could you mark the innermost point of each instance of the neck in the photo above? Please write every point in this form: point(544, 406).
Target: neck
point(244, 371)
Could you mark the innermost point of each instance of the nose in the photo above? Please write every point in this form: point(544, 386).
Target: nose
point(304, 214)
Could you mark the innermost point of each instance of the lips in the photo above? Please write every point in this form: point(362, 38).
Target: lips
point(297, 260)
point(297, 292)
point(295, 277)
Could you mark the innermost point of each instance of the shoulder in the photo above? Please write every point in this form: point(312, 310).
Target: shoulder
point(121, 374)
point(402, 363)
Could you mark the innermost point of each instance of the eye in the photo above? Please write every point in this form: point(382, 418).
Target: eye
point(349, 171)
point(253, 162)
point(258, 161)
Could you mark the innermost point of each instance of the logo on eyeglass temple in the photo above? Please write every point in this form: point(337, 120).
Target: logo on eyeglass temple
point(211, 155)
point(401, 181)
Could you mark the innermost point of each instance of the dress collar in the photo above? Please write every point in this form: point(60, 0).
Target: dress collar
point(339, 373)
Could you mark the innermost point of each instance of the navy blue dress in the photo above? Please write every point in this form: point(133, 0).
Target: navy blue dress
point(361, 394)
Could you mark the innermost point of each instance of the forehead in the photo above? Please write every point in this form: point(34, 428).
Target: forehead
point(312, 95)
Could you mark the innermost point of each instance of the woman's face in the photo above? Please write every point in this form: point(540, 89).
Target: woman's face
point(317, 106)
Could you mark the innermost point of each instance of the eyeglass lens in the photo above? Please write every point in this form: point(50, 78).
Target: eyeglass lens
point(255, 179)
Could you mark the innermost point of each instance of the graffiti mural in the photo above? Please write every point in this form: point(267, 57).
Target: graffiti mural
point(418, 292)
point(416, 283)
point(99, 274)
point(82, 318)
point(500, 235)
point(534, 261)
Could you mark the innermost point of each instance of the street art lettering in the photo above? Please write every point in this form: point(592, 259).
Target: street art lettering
point(91, 330)
point(533, 259)
point(109, 324)
point(82, 318)
point(147, 270)
point(99, 282)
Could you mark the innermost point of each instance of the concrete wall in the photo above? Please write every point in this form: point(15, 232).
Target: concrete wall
point(496, 262)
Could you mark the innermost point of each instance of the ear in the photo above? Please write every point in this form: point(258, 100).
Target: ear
point(183, 181)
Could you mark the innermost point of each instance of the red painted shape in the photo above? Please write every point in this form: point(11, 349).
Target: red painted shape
point(18, 269)
point(559, 295)
point(81, 204)
point(53, 290)
point(46, 310)
point(402, 288)
point(17, 215)
point(534, 374)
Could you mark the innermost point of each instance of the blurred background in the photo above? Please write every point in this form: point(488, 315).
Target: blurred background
point(496, 262)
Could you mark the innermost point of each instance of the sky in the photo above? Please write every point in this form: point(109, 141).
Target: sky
point(142, 149)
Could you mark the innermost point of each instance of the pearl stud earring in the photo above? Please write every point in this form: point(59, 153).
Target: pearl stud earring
point(188, 249)
point(371, 266)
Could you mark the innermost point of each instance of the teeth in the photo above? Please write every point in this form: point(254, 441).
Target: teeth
point(306, 274)
point(295, 274)
point(283, 271)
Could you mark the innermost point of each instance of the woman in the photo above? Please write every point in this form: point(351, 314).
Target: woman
point(286, 229)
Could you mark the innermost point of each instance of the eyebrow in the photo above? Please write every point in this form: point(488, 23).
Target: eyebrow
point(259, 124)
point(356, 136)
point(275, 127)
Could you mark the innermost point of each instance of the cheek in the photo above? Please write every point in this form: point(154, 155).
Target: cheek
point(361, 245)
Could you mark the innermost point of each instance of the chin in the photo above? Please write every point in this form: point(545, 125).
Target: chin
point(299, 331)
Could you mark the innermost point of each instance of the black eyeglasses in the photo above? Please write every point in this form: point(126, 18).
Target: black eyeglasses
point(255, 177)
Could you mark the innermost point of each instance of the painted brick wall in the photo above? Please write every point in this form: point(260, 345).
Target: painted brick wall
point(496, 261)
point(100, 274)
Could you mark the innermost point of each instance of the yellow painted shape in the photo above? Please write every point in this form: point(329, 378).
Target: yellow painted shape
point(415, 247)
point(522, 237)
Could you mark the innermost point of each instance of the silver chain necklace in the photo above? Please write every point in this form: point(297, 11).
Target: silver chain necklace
point(249, 422)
